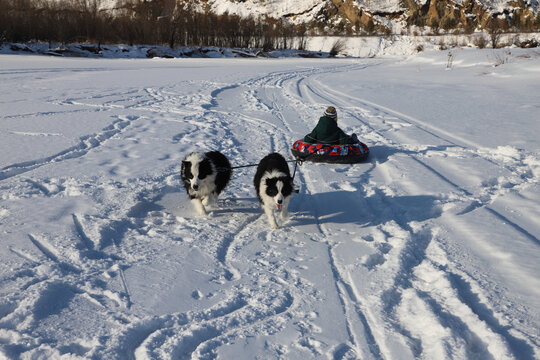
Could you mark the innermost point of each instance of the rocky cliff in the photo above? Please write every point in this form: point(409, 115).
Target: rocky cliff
point(354, 16)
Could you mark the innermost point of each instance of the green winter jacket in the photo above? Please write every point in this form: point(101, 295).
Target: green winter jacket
point(327, 132)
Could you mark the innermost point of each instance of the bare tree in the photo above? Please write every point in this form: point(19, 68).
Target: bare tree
point(171, 22)
point(495, 30)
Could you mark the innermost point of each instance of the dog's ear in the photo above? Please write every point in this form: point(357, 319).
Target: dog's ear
point(186, 164)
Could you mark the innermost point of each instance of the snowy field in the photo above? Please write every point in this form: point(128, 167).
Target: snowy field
point(427, 250)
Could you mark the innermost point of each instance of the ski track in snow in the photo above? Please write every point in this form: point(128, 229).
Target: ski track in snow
point(415, 247)
point(384, 297)
point(419, 242)
point(86, 144)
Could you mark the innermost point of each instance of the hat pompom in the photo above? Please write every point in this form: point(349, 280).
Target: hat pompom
point(331, 112)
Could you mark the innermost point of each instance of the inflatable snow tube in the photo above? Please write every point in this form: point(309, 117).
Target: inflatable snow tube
point(338, 154)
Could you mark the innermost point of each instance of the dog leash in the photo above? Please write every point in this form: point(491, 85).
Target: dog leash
point(239, 167)
point(296, 163)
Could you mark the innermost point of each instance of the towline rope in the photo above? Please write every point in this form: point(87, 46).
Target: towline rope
point(296, 162)
point(252, 165)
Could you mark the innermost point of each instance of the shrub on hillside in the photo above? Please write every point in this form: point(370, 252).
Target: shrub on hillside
point(480, 41)
point(337, 47)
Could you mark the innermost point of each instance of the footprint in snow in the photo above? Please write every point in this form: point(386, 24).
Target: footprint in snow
point(345, 186)
point(197, 295)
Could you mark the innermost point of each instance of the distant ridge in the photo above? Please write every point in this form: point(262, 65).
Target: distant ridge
point(369, 16)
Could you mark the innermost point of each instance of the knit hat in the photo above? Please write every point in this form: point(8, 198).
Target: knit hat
point(331, 112)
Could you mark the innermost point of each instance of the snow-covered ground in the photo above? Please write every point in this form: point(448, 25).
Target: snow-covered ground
point(428, 250)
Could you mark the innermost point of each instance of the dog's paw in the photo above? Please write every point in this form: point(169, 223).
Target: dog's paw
point(202, 213)
point(199, 207)
point(211, 200)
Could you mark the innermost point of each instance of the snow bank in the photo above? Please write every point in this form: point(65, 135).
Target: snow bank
point(315, 47)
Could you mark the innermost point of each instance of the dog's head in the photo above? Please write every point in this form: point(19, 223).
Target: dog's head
point(277, 189)
point(196, 168)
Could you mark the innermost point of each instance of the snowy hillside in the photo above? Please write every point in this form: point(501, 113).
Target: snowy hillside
point(280, 8)
point(428, 250)
point(274, 8)
point(336, 12)
point(211, 22)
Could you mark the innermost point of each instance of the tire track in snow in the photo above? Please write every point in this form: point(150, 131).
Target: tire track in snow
point(413, 253)
point(206, 337)
point(352, 307)
point(403, 281)
point(43, 114)
point(277, 135)
point(112, 232)
point(483, 200)
point(277, 141)
point(421, 125)
point(103, 104)
point(523, 176)
point(86, 144)
point(372, 343)
point(350, 303)
point(356, 324)
point(94, 260)
point(197, 334)
point(434, 286)
point(359, 330)
point(409, 265)
point(224, 252)
point(463, 286)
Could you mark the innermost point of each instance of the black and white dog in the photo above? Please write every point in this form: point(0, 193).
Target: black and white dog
point(274, 186)
point(205, 175)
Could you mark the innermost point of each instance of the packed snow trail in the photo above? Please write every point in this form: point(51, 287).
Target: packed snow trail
point(390, 258)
